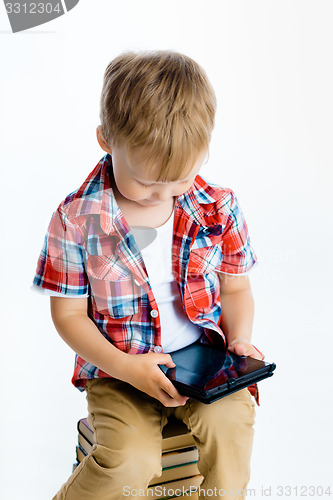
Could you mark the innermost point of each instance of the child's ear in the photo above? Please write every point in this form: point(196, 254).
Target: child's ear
point(101, 141)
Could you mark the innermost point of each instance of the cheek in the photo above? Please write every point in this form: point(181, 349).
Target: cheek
point(182, 189)
point(132, 190)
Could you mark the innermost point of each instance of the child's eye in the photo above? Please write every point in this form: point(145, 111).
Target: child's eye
point(148, 185)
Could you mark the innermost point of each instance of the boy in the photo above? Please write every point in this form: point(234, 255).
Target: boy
point(123, 302)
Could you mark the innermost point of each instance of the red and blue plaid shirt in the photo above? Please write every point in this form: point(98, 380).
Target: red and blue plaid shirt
point(89, 249)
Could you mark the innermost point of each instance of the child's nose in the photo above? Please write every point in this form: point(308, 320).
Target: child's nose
point(162, 195)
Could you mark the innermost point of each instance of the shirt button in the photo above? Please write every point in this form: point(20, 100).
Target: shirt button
point(154, 313)
point(157, 349)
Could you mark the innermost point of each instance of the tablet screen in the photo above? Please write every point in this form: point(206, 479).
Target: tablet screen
point(204, 367)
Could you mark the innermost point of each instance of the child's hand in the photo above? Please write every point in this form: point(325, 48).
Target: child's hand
point(142, 372)
point(243, 347)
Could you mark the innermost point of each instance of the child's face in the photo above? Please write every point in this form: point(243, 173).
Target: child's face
point(135, 185)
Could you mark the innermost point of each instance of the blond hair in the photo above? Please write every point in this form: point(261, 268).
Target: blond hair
point(160, 102)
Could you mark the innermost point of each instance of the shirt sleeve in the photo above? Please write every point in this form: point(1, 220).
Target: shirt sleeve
point(238, 256)
point(61, 263)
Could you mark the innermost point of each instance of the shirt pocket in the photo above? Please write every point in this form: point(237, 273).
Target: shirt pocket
point(204, 259)
point(113, 289)
point(202, 279)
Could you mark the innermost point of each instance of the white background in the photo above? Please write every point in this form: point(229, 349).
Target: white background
point(270, 63)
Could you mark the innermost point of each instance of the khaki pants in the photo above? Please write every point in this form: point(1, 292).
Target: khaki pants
point(128, 425)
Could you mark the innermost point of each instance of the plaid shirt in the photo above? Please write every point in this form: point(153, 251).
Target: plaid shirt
point(90, 249)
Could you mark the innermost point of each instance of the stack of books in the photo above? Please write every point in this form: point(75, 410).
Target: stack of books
point(180, 473)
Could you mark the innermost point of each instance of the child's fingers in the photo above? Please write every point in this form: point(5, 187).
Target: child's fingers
point(242, 349)
point(165, 359)
point(170, 396)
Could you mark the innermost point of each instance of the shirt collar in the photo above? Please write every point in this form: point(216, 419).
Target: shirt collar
point(96, 196)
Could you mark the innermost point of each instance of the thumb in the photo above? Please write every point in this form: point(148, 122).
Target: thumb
point(239, 349)
point(166, 359)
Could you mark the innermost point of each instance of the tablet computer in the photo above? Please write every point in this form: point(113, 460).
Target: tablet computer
point(206, 374)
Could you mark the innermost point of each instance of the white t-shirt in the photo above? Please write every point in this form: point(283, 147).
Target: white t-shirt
point(177, 330)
